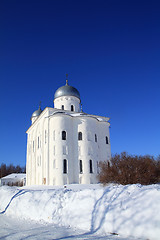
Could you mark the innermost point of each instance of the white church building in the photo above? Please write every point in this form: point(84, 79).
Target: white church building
point(64, 144)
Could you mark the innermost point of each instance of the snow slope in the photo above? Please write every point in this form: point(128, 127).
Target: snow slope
point(17, 229)
point(131, 210)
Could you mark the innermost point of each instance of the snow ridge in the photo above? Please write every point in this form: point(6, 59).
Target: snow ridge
point(130, 210)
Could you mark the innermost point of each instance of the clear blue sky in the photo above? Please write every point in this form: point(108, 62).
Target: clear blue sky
point(111, 52)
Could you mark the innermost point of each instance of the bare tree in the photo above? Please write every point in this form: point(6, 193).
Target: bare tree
point(128, 169)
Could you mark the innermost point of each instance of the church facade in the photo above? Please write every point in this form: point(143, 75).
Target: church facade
point(64, 144)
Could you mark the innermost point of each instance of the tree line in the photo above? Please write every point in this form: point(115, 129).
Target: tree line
point(6, 170)
point(128, 169)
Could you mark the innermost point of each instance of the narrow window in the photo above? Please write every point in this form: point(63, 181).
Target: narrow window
point(80, 166)
point(106, 140)
point(64, 166)
point(38, 142)
point(90, 166)
point(95, 138)
point(72, 108)
point(80, 136)
point(62, 107)
point(63, 135)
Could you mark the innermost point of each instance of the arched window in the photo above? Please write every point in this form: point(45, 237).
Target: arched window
point(80, 166)
point(63, 135)
point(90, 166)
point(80, 136)
point(62, 107)
point(95, 138)
point(106, 140)
point(72, 108)
point(64, 166)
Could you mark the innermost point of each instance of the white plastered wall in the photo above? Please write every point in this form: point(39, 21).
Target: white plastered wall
point(49, 170)
point(67, 101)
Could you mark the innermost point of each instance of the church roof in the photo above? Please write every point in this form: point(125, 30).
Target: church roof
point(51, 112)
point(66, 90)
point(79, 114)
point(37, 112)
point(15, 175)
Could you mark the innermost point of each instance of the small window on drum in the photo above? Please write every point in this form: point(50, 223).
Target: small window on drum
point(63, 135)
point(107, 140)
point(72, 108)
point(95, 138)
point(64, 166)
point(79, 135)
point(62, 107)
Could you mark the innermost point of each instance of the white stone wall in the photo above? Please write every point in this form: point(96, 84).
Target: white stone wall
point(45, 161)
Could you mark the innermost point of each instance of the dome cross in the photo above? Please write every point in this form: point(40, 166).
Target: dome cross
point(66, 79)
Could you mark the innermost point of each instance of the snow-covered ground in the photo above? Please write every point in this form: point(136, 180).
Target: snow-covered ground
point(16, 229)
point(80, 212)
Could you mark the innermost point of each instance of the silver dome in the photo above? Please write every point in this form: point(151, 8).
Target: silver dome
point(66, 91)
point(37, 112)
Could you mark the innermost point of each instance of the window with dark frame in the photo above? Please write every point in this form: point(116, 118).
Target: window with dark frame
point(79, 135)
point(64, 166)
point(106, 140)
point(72, 108)
point(63, 135)
point(90, 166)
point(95, 138)
point(80, 166)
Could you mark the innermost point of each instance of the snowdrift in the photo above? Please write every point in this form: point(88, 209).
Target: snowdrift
point(132, 210)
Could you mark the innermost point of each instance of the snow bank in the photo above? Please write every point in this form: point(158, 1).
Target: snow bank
point(131, 210)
